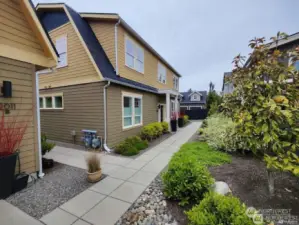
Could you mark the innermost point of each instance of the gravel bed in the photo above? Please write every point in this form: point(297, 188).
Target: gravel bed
point(60, 184)
point(150, 208)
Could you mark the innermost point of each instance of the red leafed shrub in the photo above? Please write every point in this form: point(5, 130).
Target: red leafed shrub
point(11, 134)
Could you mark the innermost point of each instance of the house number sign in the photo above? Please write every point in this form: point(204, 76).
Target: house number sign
point(7, 107)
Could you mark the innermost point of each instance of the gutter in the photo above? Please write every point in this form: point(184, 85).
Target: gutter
point(40, 173)
point(116, 46)
point(106, 148)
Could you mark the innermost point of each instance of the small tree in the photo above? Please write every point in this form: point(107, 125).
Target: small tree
point(264, 104)
point(213, 100)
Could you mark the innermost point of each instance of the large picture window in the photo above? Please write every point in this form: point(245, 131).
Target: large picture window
point(132, 110)
point(51, 101)
point(134, 56)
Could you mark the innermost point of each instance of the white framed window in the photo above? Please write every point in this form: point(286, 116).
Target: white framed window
point(132, 110)
point(51, 101)
point(195, 97)
point(175, 82)
point(134, 55)
point(61, 47)
point(173, 107)
point(161, 73)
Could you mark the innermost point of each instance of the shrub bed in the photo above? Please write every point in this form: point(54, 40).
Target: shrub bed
point(217, 209)
point(154, 130)
point(131, 146)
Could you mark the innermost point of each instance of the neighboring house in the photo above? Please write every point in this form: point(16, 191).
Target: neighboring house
point(193, 100)
point(227, 86)
point(108, 78)
point(24, 49)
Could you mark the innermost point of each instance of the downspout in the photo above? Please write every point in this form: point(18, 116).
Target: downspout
point(106, 148)
point(116, 46)
point(40, 173)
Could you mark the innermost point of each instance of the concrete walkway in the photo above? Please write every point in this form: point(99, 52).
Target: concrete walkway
point(105, 202)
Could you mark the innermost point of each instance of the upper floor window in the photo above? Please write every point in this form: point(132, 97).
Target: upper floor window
point(51, 101)
point(195, 97)
point(134, 56)
point(175, 82)
point(61, 47)
point(161, 73)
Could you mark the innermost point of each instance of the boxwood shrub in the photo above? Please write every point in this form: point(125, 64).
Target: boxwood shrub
point(217, 209)
point(165, 126)
point(186, 180)
point(131, 146)
point(152, 130)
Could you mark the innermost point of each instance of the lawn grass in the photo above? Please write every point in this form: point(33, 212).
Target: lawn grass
point(205, 155)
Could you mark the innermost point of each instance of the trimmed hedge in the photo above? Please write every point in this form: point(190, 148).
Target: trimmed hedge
point(186, 180)
point(131, 146)
point(152, 130)
point(165, 126)
point(217, 209)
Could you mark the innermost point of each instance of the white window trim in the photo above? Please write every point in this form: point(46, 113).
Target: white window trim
point(198, 97)
point(133, 96)
point(135, 58)
point(61, 36)
point(176, 82)
point(45, 71)
point(160, 64)
point(44, 96)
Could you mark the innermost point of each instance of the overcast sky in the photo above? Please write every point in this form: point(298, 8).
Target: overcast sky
point(199, 38)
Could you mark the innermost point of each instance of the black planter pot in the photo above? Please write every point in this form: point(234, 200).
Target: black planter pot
point(181, 122)
point(20, 182)
point(7, 175)
point(47, 163)
point(173, 124)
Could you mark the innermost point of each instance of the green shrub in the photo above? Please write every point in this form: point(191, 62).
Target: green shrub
point(46, 146)
point(217, 209)
point(204, 123)
point(153, 130)
point(186, 180)
point(158, 129)
point(126, 149)
point(165, 126)
point(204, 154)
point(219, 133)
point(186, 119)
point(131, 146)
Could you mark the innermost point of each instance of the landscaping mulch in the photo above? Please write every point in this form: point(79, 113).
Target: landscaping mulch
point(247, 178)
point(60, 184)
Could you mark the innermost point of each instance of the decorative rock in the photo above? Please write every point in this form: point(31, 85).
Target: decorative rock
point(221, 187)
point(149, 212)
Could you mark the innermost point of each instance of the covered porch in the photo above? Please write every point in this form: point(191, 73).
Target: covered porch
point(168, 105)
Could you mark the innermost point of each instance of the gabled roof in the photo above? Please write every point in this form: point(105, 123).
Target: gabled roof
point(94, 48)
point(116, 17)
point(186, 97)
point(194, 92)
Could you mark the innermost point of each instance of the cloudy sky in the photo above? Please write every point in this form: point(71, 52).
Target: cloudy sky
point(199, 37)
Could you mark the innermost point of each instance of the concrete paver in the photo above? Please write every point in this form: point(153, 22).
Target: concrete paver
point(107, 185)
point(107, 212)
point(58, 217)
point(143, 177)
point(82, 203)
point(122, 173)
point(128, 191)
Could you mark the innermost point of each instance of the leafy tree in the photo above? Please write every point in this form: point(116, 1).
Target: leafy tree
point(213, 100)
point(264, 104)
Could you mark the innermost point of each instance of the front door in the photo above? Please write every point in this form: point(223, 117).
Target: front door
point(161, 113)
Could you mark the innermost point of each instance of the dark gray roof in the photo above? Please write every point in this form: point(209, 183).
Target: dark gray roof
point(186, 99)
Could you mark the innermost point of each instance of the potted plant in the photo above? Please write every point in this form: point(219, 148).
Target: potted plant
point(173, 122)
point(181, 120)
point(12, 131)
point(46, 147)
point(94, 171)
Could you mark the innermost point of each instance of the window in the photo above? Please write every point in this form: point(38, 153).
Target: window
point(296, 65)
point(132, 110)
point(161, 73)
point(61, 47)
point(175, 82)
point(173, 107)
point(134, 56)
point(53, 101)
point(195, 97)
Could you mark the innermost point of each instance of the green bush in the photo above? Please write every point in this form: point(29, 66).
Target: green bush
point(165, 126)
point(152, 130)
point(186, 119)
point(46, 146)
point(204, 154)
point(219, 133)
point(186, 180)
point(217, 209)
point(131, 146)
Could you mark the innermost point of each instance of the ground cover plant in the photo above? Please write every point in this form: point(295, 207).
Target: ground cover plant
point(131, 146)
